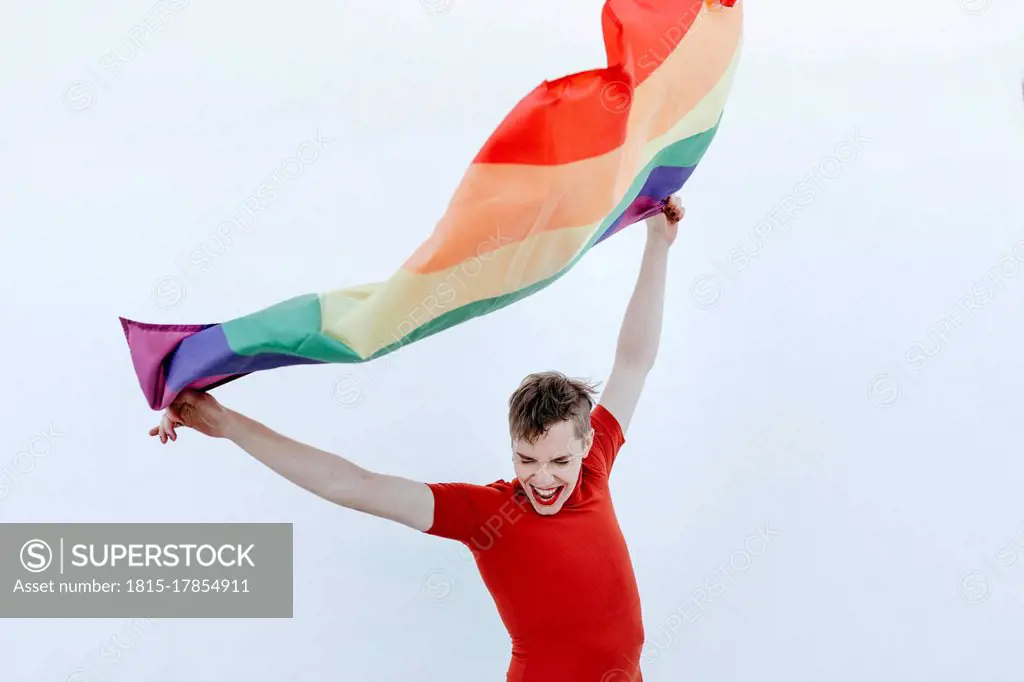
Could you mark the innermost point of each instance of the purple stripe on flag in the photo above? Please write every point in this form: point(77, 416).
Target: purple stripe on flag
point(661, 184)
point(169, 358)
point(207, 354)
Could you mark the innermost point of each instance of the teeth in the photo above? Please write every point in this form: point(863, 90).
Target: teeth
point(546, 494)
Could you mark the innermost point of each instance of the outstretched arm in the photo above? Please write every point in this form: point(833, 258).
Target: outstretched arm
point(324, 474)
point(640, 335)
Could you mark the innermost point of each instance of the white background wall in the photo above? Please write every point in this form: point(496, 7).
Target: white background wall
point(788, 391)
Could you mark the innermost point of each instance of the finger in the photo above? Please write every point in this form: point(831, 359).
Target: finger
point(154, 431)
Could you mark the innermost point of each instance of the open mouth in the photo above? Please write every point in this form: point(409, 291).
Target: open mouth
point(546, 496)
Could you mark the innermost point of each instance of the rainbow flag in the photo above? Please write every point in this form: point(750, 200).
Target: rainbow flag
point(577, 160)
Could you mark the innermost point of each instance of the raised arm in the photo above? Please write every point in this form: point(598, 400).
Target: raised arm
point(321, 473)
point(640, 335)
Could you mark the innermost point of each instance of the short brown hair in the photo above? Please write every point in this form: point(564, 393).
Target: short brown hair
point(544, 399)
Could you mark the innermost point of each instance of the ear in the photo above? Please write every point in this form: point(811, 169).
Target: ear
point(588, 442)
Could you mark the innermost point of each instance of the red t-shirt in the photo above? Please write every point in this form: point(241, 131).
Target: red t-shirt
point(563, 584)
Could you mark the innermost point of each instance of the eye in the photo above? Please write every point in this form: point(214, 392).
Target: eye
point(561, 462)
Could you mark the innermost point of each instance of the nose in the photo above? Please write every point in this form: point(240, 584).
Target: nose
point(542, 475)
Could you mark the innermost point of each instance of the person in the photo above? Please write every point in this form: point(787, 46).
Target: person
point(547, 544)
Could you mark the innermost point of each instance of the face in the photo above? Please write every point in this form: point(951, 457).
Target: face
point(549, 467)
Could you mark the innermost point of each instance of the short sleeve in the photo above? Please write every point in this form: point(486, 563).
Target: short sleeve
point(460, 509)
point(608, 439)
